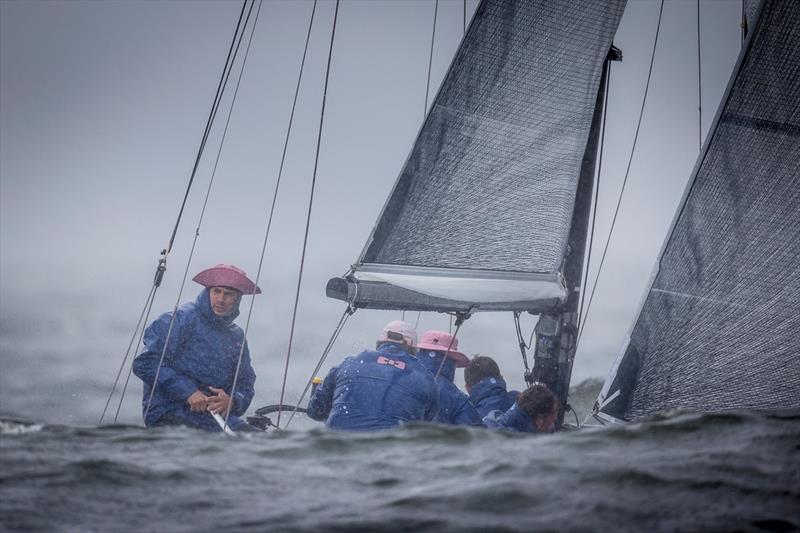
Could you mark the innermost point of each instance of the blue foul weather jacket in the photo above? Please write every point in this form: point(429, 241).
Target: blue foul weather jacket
point(490, 394)
point(375, 390)
point(454, 405)
point(515, 419)
point(202, 352)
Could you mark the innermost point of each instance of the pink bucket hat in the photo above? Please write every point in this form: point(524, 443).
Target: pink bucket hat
point(227, 276)
point(398, 327)
point(439, 341)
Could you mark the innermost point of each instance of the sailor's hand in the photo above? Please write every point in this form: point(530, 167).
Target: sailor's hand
point(220, 403)
point(197, 401)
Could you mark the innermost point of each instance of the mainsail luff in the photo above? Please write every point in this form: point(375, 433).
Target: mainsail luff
point(487, 194)
point(718, 328)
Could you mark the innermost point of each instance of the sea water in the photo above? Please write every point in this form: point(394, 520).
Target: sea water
point(62, 472)
point(682, 472)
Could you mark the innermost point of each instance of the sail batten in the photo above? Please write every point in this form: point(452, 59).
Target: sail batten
point(718, 327)
point(491, 180)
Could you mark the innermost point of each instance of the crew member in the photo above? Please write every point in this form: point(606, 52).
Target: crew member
point(377, 389)
point(535, 411)
point(486, 387)
point(438, 351)
point(200, 361)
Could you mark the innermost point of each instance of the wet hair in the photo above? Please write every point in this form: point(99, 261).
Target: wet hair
point(537, 400)
point(481, 367)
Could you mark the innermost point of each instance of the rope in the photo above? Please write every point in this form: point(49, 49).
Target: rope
point(596, 195)
point(308, 216)
point(130, 369)
point(459, 321)
point(277, 187)
point(699, 86)
point(627, 172)
point(430, 60)
point(202, 213)
point(335, 335)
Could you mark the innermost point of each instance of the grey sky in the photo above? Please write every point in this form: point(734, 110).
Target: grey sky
point(102, 106)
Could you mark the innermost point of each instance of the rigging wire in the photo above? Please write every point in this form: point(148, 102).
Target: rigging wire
point(596, 194)
point(138, 343)
point(128, 352)
point(145, 314)
point(699, 86)
point(460, 320)
point(627, 173)
point(348, 312)
point(430, 60)
point(427, 94)
point(277, 187)
point(237, 39)
point(205, 203)
point(308, 216)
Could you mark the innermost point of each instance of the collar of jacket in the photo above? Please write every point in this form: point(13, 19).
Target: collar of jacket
point(203, 303)
point(431, 360)
point(394, 348)
point(487, 387)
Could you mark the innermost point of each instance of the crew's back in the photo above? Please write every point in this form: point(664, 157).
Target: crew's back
point(377, 389)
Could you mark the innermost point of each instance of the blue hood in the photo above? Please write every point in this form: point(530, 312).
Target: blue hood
point(203, 303)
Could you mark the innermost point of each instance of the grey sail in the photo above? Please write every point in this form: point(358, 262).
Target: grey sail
point(719, 326)
point(480, 215)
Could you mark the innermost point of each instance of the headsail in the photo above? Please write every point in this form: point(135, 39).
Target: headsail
point(719, 326)
point(480, 215)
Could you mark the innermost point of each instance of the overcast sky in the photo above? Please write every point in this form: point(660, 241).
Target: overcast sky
point(102, 106)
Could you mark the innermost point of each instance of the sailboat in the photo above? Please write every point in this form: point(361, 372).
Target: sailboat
point(717, 328)
point(490, 213)
point(491, 209)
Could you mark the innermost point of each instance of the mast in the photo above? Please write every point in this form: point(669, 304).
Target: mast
point(557, 332)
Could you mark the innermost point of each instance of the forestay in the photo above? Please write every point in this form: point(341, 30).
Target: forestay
point(480, 214)
point(719, 327)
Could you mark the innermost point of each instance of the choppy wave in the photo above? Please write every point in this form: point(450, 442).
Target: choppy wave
point(676, 472)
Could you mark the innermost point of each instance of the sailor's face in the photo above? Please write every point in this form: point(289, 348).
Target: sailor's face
point(223, 300)
point(547, 423)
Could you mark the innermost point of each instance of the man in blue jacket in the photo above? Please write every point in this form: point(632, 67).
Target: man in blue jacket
point(377, 389)
point(486, 387)
point(535, 411)
point(438, 351)
point(201, 356)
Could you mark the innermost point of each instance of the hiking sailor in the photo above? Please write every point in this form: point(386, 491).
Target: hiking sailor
point(535, 411)
point(486, 387)
point(377, 389)
point(201, 357)
point(454, 405)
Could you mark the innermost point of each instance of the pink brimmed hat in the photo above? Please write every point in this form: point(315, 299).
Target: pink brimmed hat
point(398, 328)
point(439, 341)
point(227, 276)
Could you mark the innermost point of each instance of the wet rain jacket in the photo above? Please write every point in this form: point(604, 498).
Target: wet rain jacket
point(454, 405)
point(490, 394)
point(515, 419)
point(375, 390)
point(202, 351)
